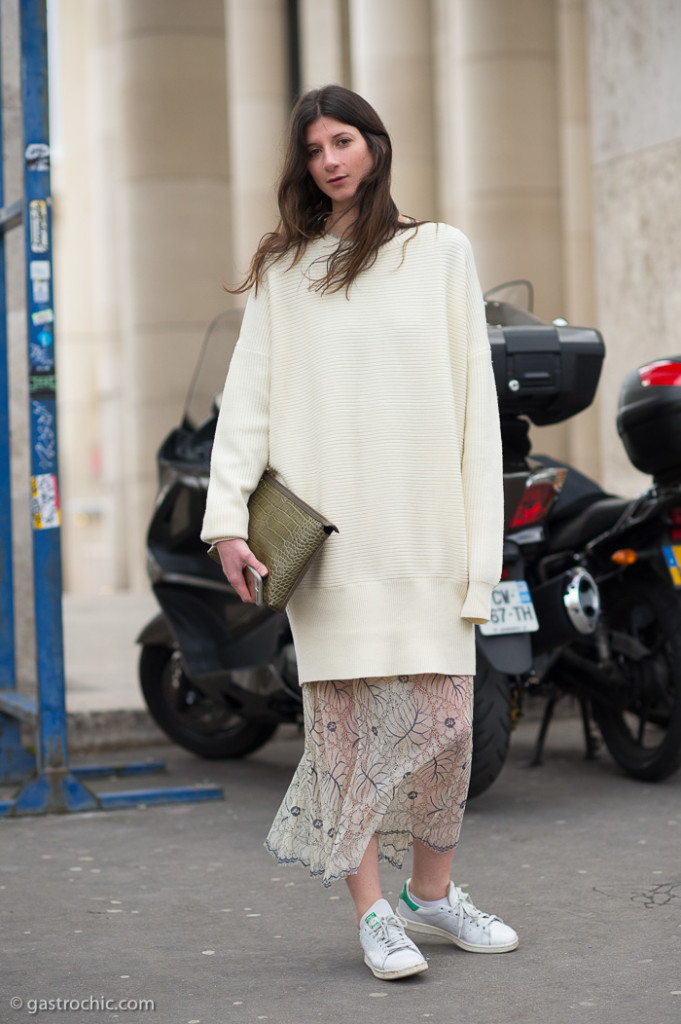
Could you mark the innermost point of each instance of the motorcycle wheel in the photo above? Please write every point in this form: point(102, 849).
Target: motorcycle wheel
point(491, 727)
point(189, 717)
point(644, 738)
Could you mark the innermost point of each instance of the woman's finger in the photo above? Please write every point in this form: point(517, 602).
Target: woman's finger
point(235, 555)
point(259, 567)
point(238, 582)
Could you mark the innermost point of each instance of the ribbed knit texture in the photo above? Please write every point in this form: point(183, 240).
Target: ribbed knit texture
point(379, 409)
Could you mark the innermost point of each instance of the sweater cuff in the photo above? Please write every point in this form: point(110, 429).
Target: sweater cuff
point(477, 606)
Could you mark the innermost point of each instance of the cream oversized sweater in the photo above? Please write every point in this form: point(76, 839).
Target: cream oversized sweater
point(379, 409)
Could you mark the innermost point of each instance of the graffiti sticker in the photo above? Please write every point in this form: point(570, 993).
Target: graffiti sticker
point(41, 291)
point(42, 385)
point(45, 502)
point(42, 316)
point(45, 434)
point(41, 354)
point(37, 156)
point(37, 212)
point(40, 272)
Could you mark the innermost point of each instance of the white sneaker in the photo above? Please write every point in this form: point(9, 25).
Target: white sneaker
point(459, 921)
point(387, 950)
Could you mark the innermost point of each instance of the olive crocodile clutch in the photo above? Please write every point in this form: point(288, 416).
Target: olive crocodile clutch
point(285, 534)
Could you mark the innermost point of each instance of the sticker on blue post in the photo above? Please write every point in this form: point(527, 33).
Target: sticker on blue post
point(42, 316)
point(40, 273)
point(42, 385)
point(44, 434)
point(45, 502)
point(37, 155)
point(39, 230)
point(41, 352)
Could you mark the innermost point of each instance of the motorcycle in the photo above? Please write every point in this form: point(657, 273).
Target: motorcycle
point(598, 571)
point(219, 676)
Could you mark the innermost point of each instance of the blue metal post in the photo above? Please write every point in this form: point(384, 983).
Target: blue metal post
point(54, 788)
point(15, 762)
point(7, 666)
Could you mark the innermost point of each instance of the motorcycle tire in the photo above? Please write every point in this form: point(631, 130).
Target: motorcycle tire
point(491, 727)
point(645, 737)
point(189, 717)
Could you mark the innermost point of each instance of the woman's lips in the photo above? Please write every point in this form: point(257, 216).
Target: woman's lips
point(337, 181)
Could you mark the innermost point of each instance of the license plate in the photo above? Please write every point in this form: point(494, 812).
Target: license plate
point(512, 610)
point(672, 556)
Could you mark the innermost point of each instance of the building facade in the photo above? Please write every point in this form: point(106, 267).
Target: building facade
point(548, 130)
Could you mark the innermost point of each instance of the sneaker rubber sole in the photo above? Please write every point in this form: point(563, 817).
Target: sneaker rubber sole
point(470, 947)
point(403, 972)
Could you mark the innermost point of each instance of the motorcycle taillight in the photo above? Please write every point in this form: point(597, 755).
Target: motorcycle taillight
point(675, 519)
point(541, 490)
point(662, 373)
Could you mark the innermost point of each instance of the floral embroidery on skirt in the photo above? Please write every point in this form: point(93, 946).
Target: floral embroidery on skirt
point(389, 756)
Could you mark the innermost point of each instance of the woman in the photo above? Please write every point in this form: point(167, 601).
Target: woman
point(362, 377)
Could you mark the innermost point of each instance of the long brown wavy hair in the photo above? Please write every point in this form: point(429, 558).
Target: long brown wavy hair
point(304, 208)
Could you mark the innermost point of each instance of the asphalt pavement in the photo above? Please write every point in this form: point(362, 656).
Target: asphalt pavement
point(181, 906)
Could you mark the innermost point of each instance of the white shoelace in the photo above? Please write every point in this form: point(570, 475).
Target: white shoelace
point(468, 908)
point(391, 933)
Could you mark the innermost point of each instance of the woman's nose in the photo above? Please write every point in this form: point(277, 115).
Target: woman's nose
point(330, 158)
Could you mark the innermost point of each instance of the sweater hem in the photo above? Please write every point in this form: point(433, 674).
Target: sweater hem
point(382, 628)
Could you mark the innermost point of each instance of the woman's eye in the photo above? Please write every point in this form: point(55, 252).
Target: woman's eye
point(344, 142)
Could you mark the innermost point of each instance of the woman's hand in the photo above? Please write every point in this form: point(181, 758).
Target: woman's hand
point(235, 555)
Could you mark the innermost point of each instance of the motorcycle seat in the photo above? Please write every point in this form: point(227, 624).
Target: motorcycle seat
point(598, 517)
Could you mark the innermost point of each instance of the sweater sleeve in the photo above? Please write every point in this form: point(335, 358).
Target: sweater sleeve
point(482, 470)
point(241, 447)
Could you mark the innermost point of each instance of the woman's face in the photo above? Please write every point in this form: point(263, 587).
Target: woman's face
point(338, 158)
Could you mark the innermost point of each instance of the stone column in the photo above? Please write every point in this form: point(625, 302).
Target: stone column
point(508, 143)
point(324, 43)
point(258, 88)
point(101, 528)
point(577, 208)
point(15, 283)
point(508, 166)
point(92, 547)
point(392, 69)
point(636, 137)
point(171, 202)
point(447, 92)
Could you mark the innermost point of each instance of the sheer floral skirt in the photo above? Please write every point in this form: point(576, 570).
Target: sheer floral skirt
point(389, 756)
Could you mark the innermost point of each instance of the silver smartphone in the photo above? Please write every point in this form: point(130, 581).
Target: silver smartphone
point(255, 585)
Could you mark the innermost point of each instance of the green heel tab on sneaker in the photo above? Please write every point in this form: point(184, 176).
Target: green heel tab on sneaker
point(404, 895)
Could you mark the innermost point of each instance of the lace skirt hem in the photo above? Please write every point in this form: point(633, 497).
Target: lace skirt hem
point(387, 756)
point(395, 860)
